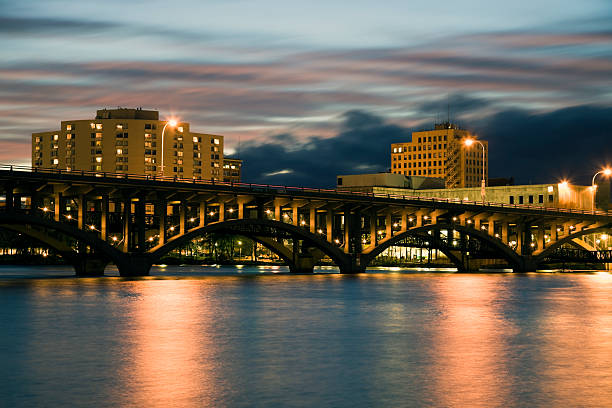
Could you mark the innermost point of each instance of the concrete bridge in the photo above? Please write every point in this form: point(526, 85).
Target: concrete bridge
point(93, 219)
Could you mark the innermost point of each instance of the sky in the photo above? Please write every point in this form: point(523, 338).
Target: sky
point(305, 91)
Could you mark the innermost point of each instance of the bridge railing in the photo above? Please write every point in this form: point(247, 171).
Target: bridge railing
point(280, 188)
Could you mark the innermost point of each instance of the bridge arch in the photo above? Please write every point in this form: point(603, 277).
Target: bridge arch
point(504, 251)
point(17, 222)
point(256, 229)
point(568, 240)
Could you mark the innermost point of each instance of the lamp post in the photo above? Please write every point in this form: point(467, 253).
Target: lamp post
point(468, 143)
point(606, 172)
point(172, 123)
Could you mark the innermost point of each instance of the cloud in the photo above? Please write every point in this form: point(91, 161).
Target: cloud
point(363, 142)
point(533, 148)
point(50, 25)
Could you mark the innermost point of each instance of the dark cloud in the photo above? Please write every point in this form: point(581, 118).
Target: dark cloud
point(532, 147)
point(569, 143)
point(49, 25)
point(455, 104)
point(361, 146)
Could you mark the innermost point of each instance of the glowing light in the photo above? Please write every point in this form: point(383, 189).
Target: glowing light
point(496, 235)
point(211, 213)
point(564, 184)
point(151, 239)
point(469, 221)
point(191, 219)
point(302, 222)
point(337, 241)
point(604, 236)
point(231, 210)
point(532, 244)
point(483, 227)
point(468, 142)
point(69, 216)
point(454, 218)
point(45, 209)
point(550, 189)
point(92, 227)
point(363, 241)
point(410, 219)
point(285, 215)
point(172, 122)
point(239, 242)
point(425, 217)
point(171, 228)
point(395, 225)
point(268, 211)
point(114, 238)
point(320, 231)
point(607, 171)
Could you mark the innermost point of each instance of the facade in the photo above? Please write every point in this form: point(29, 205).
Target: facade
point(356, 182)
point(232, 169)
point(129, 141)
point(441, 153)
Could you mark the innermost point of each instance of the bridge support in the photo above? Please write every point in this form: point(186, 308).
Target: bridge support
point(85, 266)
point(135, 265)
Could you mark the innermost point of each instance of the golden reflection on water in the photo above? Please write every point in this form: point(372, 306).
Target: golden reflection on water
point(576, 347)
point(168, 351)
point(468, 345)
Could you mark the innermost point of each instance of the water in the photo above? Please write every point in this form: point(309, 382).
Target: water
point(218, 338)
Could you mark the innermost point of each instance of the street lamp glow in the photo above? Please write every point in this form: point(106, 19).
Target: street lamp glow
point(171, 123)
point(469, 142)
point(607, 172)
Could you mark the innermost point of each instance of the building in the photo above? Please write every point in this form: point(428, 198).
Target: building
point(363, 182)
point(129, 141)
point(559, 195)
point(232, 169)
point(442, 153)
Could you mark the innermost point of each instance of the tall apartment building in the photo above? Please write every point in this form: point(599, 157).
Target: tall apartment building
point(442, 153)
point(130, 141)
point(232, 169)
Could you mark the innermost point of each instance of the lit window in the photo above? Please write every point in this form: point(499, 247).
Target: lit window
point(180, 129)
point(92, 125)
point(119, 151)
point(216, 141)
point(55, 161)
point(119, 126)
point(195, 139)
point(55, 137)
point(68, 127)
point(550, 189)
point(98, 126)
point(180, 153)
point(68, 136)
point(99, 159)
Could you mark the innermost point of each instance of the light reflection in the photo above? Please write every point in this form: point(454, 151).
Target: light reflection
point(468, 344)
point(168, 348)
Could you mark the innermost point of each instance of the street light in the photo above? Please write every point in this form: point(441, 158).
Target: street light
point(469, 142)
point(172, 123)
point(606, 172)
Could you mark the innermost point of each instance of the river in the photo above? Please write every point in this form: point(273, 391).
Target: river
point(259, 337)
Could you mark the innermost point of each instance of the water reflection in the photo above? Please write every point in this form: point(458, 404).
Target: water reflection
point(469, 343)
point(168, 354)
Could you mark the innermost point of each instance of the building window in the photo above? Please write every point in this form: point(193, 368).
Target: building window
point(511, 199)
point(551, 198)
point(520, 199)
point(541, 198)
point(55, 161)
point(530, 199)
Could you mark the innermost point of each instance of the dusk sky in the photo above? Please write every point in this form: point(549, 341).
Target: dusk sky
point(318, 88)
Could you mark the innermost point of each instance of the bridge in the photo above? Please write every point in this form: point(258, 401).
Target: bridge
point(93, 219)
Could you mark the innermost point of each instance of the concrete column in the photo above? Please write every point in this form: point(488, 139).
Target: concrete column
point(57, 206)
point(127, 210)
point(10, 199)
point(240, 210)
point(81, 212)
point(329, 221)
point(104, 218)
point(313, 219)
point(182, 217)
point(140, 223)
point(162, 211)
point(373, 232)
point(294, 215)
point(419, 218)
point(277, 212)
point(221, 212)
point(388, 225)
point(404, 221)
point(202, 213)
point(504, 232)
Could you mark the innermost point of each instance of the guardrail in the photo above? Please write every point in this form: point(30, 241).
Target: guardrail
point(272, 187)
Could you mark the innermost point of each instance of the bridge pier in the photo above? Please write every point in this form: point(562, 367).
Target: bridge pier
point(85, 266)
point(135, 265)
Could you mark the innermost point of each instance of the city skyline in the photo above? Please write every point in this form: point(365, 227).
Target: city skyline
point(311, 86)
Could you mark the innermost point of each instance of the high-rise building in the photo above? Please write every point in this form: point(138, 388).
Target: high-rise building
point(442, 153)
point(130, 141)
point(232, 169)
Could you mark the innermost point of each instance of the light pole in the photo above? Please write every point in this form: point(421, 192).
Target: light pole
point(468, 143)
point(606, 172)
point(172, 123)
